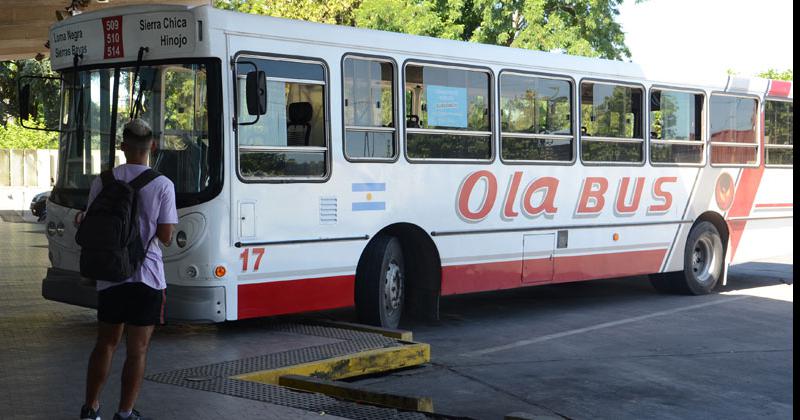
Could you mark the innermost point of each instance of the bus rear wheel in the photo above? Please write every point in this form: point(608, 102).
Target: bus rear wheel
point(702, 264)
point(380, 283)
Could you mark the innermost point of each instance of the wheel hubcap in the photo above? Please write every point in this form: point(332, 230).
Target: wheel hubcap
point(703, 260)
point(393, 288)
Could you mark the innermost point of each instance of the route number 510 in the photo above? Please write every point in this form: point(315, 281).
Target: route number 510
point(258, 253)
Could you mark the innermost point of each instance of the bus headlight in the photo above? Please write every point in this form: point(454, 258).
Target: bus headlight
point(180, 239)
point(189, 233)
point(51, 229)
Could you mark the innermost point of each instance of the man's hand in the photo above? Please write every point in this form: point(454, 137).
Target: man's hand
point(164, 233)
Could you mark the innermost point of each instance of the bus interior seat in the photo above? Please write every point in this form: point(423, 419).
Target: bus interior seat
point(180, 165)
point(298, 128)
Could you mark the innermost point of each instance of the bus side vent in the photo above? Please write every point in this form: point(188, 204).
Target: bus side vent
point(328, 210)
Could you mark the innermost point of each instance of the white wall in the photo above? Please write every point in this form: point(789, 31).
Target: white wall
point(23, 174)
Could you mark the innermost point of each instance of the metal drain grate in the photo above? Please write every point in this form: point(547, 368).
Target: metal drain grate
point(216, 377)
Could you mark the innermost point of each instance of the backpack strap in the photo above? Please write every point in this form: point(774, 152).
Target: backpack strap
point(107, 177)
point(143, 179)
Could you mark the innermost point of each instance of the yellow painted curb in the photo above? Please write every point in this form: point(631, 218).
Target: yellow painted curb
point(356, 364)
point(351, 392)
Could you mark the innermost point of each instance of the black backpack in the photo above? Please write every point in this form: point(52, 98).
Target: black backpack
point(111, 246)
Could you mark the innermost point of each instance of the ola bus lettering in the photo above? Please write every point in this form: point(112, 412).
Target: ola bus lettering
point(538, 197)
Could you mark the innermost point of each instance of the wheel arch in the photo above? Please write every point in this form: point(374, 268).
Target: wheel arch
point(423, 268)
point(678, 281)
point(719, 222)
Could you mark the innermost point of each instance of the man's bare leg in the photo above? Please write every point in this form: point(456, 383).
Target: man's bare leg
point(108, 337)
point(137, 342)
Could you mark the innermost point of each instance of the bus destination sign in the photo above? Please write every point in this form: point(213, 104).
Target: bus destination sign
point(120, 37)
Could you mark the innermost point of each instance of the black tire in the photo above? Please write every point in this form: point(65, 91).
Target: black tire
point(380, 283)
point(702, 264)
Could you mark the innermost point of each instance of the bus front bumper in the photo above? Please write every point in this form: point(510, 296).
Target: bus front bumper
point(184, 303)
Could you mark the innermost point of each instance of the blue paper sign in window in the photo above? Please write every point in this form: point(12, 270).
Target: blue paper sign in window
point(447, 106)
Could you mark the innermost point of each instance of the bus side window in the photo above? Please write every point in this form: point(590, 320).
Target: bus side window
point(535, 119)
point(676, 127)
point(778, 117)
point(734, 139)
point(449, 116)
point(613, 116)
point(369, 128)
point(290, 140)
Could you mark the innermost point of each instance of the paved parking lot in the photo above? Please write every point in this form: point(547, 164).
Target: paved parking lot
point(603, 349)
point(614, 349)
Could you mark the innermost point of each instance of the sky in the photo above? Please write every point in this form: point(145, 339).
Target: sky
point(748, 37)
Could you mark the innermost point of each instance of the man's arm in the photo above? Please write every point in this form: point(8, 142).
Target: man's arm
point(168, 215)
point(164, 233)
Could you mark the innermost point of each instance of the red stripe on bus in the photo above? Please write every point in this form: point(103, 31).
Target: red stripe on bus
point(742, 204)
point(744, 198)
point(780, 88)
point(745, 195)
point(482, 277)
point(600, 266)
point(773, 205)
point(292, 296)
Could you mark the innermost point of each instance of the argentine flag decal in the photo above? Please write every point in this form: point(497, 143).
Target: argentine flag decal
point(366, 192)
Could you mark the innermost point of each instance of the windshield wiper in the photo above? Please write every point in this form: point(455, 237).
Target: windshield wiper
point(77, 103)
point(112, 130)
point(136, 108)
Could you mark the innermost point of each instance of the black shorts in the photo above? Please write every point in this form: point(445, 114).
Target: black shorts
point(131, 303)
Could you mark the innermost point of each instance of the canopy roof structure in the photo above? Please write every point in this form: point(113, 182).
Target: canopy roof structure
point(24, 24)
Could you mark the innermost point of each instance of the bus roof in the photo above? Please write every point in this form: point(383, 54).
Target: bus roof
point(420, 47)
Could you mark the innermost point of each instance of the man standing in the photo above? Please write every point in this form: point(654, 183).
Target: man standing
point(136, 304)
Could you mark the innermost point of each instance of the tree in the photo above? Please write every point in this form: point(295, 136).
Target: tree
point(337, 12)
point(778, 75)
point(578, 27)
point(11, 71)
point(14, 136)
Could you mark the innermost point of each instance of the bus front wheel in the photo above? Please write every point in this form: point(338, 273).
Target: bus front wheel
point(380, 283)
point(702, 264)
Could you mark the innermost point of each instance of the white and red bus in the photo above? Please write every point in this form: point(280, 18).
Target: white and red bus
point(319, 167)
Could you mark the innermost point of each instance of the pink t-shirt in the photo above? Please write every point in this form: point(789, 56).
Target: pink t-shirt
point(156, 205)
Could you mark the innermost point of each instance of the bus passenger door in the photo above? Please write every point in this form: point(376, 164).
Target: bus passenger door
point(537, 258)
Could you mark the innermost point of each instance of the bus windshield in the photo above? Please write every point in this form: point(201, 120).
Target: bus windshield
point(172, 98)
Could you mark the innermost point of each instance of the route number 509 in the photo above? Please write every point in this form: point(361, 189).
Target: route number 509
point(257, 253)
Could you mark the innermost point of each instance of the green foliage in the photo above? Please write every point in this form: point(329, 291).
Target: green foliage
point(13, 136)
point(337, 12)
point(11, 71)
point(415, 17)
point(773, 74)
point(579, 27)
point(185, 113)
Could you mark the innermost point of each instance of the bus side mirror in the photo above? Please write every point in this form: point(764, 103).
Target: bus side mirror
point(256, 88)
point(24, 99)
point(38, 101)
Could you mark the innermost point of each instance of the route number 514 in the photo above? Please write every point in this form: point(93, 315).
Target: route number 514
point(257, 253)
